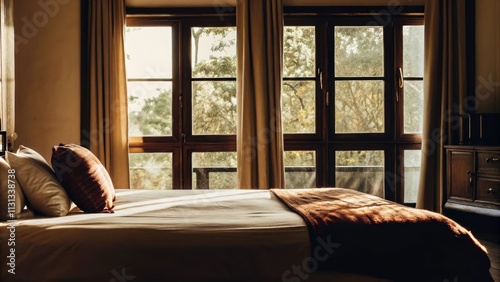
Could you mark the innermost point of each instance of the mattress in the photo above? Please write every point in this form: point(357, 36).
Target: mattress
point(174, 235)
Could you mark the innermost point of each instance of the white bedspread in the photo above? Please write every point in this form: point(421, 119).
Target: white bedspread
point(179, 235)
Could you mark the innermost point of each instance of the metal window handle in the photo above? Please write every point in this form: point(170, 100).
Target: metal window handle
point(492, 191)
point(401, 78)
point(327, 94)
point(321, 80)
point(401, 83)
point(492, 160)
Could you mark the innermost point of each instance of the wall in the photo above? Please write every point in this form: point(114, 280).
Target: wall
point(488, 56)
point(47, 73)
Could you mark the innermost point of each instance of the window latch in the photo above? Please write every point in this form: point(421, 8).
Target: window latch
point(401, 82)
point(320, 73)
point(401, 79)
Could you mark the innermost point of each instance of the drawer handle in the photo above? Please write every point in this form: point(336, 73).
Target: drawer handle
point(492, 191)
point(492, 160)
point(470, 176)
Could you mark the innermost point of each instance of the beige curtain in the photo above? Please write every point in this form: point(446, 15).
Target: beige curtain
point(259, 139)
point(7, 71)
point(445, 93)
point(108, 88)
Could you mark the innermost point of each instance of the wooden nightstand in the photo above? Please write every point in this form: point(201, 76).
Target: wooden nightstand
point(473, 179)
point(473, 189)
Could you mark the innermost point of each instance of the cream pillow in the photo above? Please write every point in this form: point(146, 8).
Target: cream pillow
point(44, 194)
point(11, 199)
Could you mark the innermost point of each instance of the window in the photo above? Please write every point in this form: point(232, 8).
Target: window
point(213, 80)
point(150, 83)
point(353, 95)
point(410, 100)
point(358, 75)
point(352, 102)
point(300, 169)
point(299, 79)
point(182, 105)
point(301, 109)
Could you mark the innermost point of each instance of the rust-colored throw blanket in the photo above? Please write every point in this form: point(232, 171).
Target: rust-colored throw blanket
point(356, 232)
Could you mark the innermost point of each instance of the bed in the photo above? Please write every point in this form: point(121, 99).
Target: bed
point(242, 235)
point(91, 231)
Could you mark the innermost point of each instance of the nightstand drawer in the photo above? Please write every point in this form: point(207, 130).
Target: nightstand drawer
point(488, 162)
point(488, 190)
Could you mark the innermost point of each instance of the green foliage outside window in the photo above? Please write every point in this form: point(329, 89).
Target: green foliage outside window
point(359, 104)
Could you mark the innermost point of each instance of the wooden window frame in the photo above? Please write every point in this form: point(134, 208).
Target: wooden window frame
point(398, 55)
point(324, 141)
point(182, 143)
point(188, 79)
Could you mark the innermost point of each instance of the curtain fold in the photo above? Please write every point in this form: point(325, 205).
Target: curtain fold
point(445, 93)
point(7, 78)
point(108, 88)
point(259, 138)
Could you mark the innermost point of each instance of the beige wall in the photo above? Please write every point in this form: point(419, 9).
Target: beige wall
point(488, 56)
point(47, 73)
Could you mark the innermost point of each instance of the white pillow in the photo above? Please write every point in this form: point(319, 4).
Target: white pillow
point(11, 195)
point(44, 194)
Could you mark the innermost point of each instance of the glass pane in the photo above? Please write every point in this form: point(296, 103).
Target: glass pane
point(214, 170)
point(413, 51)
point(359, 51)
point(299, 50)
point(413, 106)
point(150, 108)
point(359, 106)
point(213, 51)
point(149, 52)
point(214, 107)
point(300, 169)
point(151, 171)
point(411, 175)
point(360, 170)
point(299, 106)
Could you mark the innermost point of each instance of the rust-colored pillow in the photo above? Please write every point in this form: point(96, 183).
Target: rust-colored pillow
point(84, 178)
